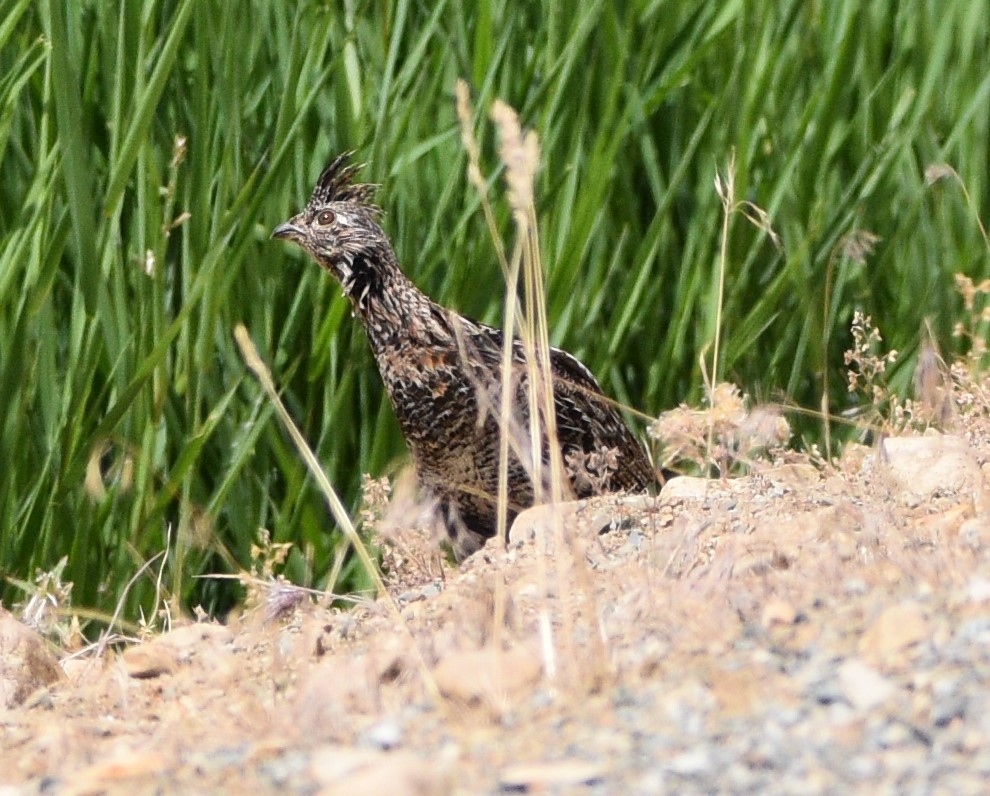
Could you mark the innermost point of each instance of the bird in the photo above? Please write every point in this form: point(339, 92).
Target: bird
point(443, 376)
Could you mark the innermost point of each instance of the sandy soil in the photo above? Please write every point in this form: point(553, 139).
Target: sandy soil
point(798, 630)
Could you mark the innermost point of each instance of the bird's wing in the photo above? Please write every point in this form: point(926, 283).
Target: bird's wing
point(587, 421)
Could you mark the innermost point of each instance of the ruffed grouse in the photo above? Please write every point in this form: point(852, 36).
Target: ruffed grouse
point(443, 375)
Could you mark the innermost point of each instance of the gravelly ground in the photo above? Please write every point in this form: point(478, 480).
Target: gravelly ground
point(798, 631)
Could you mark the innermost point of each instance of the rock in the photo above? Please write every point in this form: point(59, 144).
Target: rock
point(586, 518)
point(898, 628)
point(331, 763)
point(114, 773)
point(978, 589)
point(83, 669)
point(487, 678)
point(691, 763)
point(541, 777)
point(347, 682)
point(740, 692)
point(355, 772)
point(149, 660)
point(863, 686)
point(920, 467)
point(193, 636)
point(942, 525)
point(385, 735)
point(26, 662)
point(831, 523)
point(797, 476)
point(686, 487)
point(778, 612)
point(949, 701)
point(163, 655)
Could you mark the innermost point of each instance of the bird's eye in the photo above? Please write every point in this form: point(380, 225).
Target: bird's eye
point(326, 218)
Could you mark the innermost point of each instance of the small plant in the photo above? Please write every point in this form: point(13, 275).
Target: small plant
point(855, 247)
point(375, 494)
point(866, 363)
point(596, 467)
point(866, 375)
point(405, 531)
point(264, 585)
point(727, 437)
point(973, 329)
point(971, 395)
point(882, 408)
point(47, 607)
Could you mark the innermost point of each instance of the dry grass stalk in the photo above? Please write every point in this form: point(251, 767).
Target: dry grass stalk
point(258, 367)
point(726, 190)
point(520, 153)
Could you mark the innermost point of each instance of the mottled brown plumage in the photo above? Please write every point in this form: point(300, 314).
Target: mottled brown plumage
point(443, 375)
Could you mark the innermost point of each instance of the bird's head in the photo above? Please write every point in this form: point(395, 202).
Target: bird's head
point(339, 229)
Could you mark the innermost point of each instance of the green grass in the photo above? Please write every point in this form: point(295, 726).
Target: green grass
point(834, 110)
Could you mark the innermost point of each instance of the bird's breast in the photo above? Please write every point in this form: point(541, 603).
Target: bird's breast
point(432, 395)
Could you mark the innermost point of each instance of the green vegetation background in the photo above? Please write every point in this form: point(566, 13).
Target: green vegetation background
point(125, 263)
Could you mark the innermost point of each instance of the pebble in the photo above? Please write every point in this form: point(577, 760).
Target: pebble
point(864, 686)
point(691, 763)
point(384, 735)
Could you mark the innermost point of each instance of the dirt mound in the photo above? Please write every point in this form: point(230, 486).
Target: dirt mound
point(799, 628)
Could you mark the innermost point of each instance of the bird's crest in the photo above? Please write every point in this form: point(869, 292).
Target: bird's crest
point(336, 183)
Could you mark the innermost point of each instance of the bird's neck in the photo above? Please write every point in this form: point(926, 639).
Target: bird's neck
point(393, 310)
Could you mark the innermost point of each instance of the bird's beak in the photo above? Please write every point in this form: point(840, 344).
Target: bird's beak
point(288, 230)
